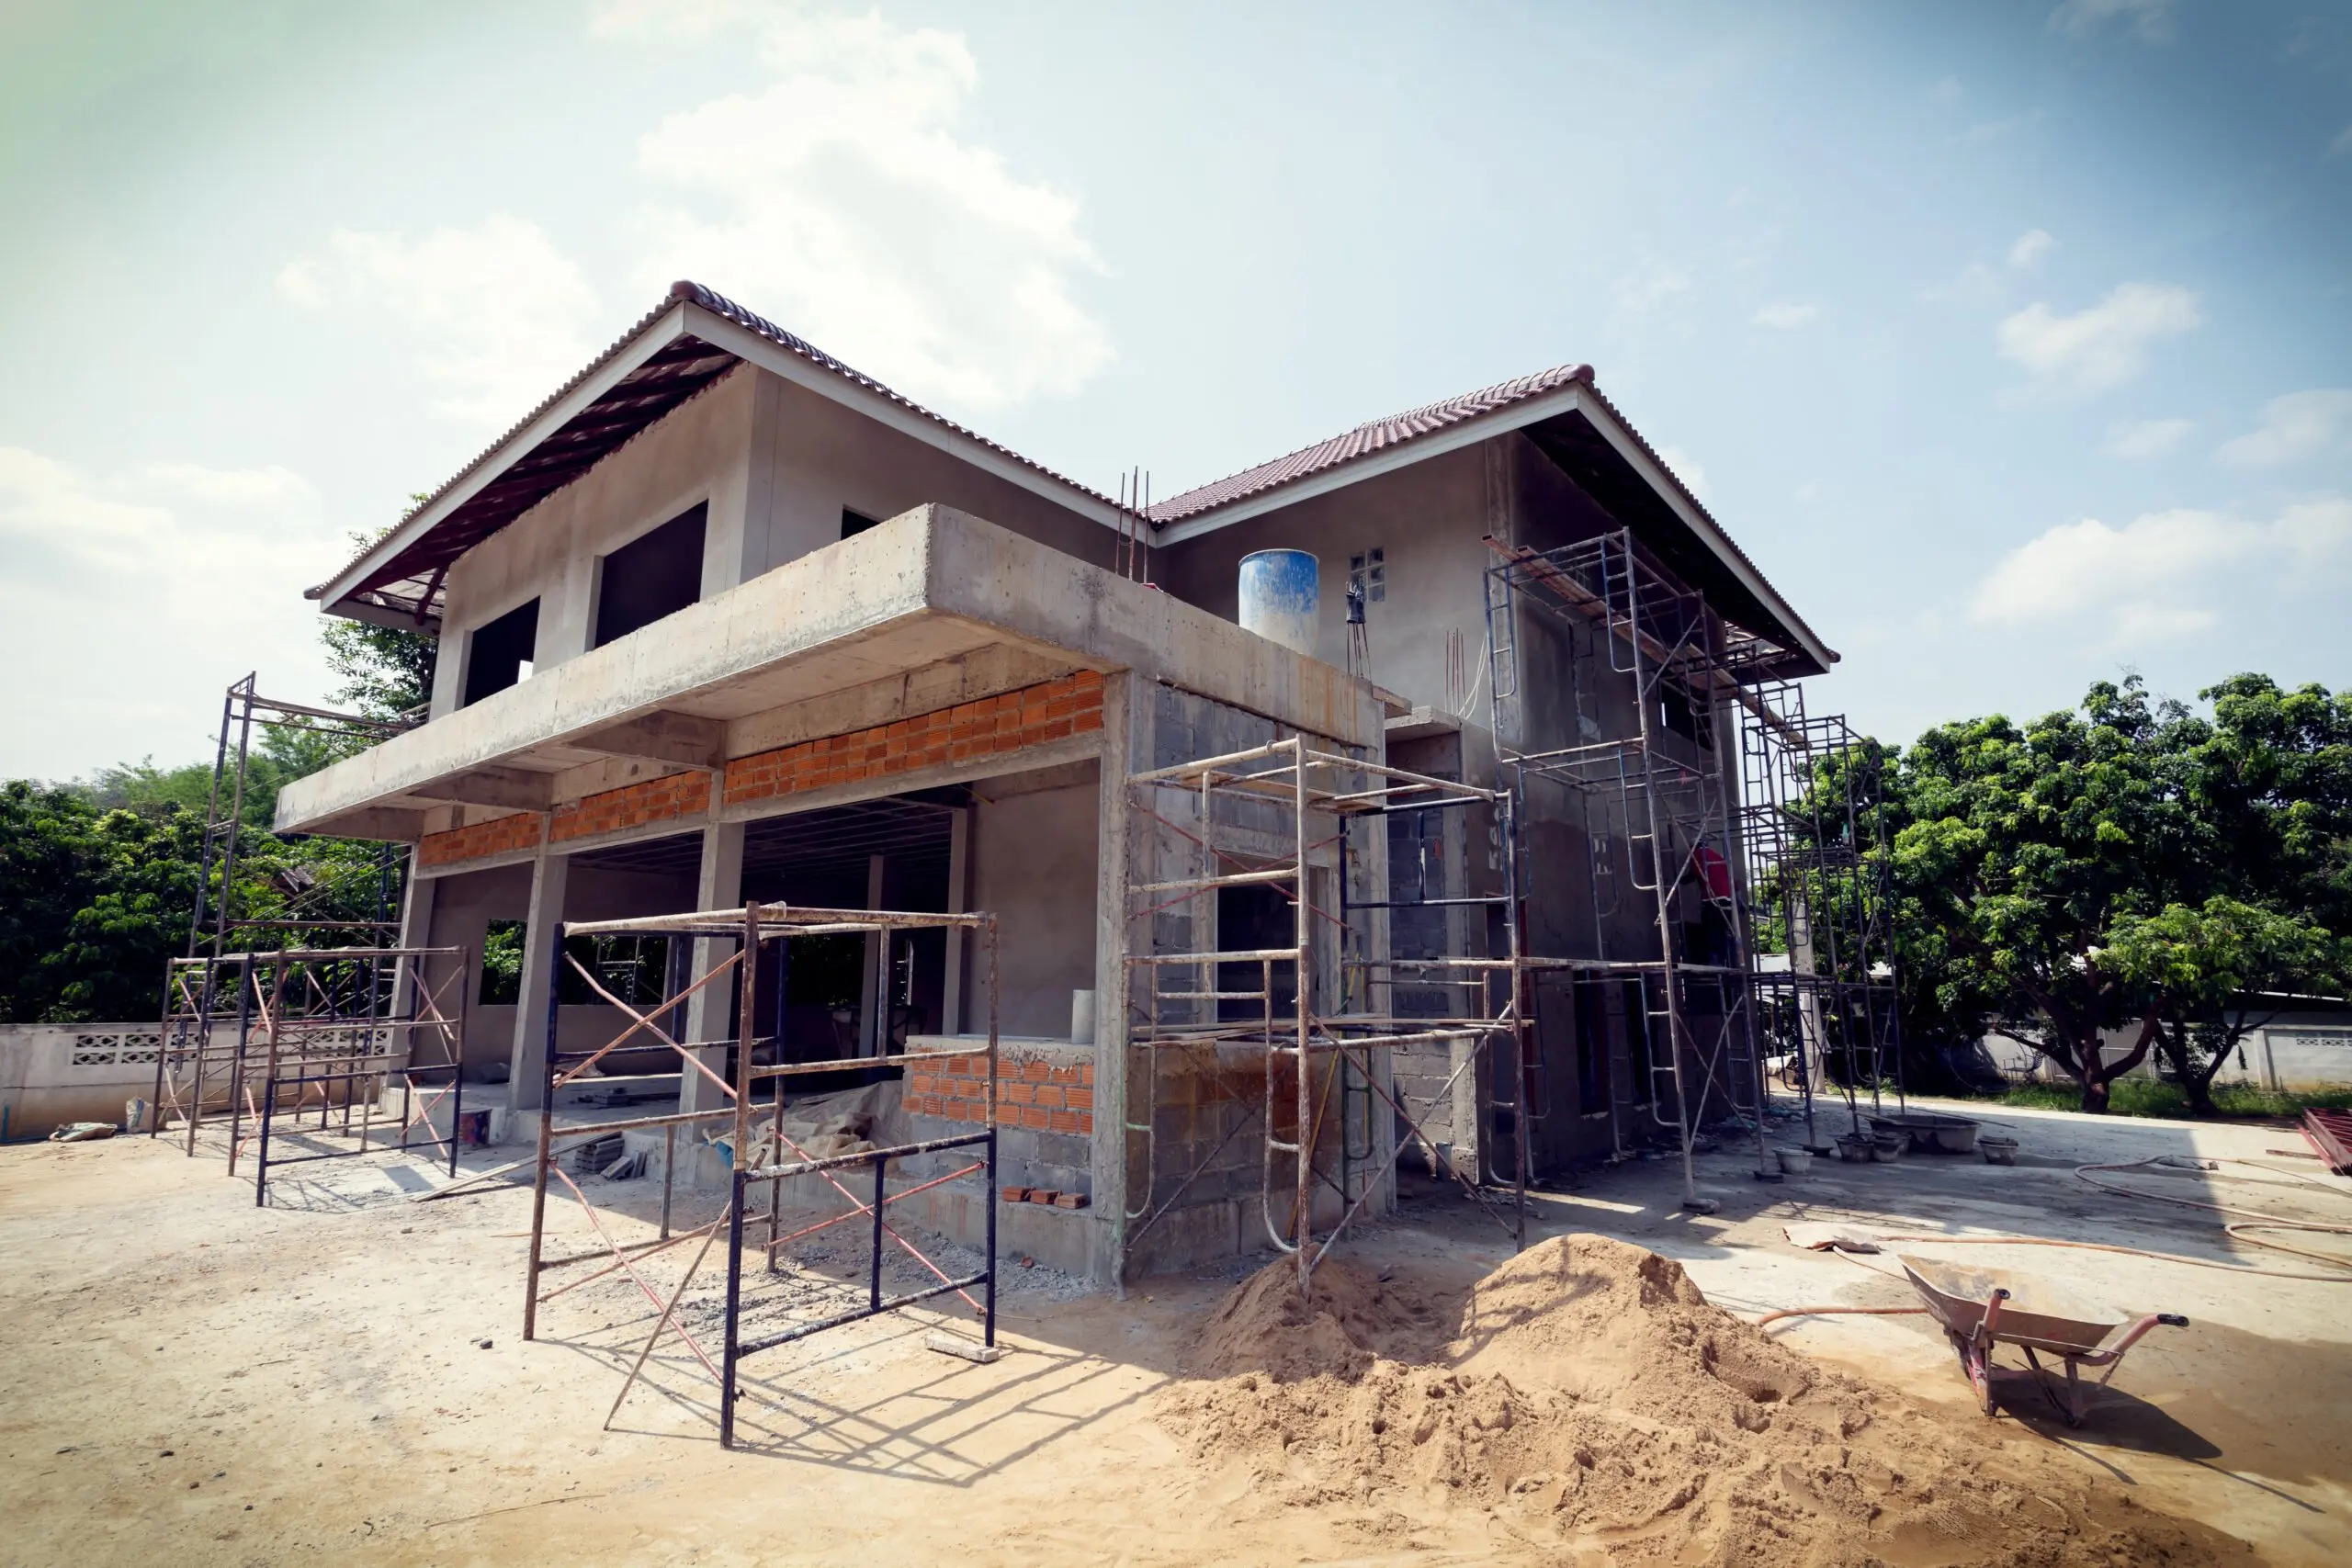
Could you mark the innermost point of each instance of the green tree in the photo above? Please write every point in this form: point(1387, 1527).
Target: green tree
point(2019, 850)
point(2206, 971)
point(2130, 866)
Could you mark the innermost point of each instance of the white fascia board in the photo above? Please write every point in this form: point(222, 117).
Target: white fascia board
point(644, 347)
point(782, 362)
point(1468, 433)
point(1670, 490)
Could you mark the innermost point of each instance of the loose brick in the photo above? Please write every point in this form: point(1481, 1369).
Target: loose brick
point(1069, 1199)
point(1014, 1194)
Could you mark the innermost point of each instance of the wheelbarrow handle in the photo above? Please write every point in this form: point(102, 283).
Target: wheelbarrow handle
point(2115, 1352)
point(1992, 1312)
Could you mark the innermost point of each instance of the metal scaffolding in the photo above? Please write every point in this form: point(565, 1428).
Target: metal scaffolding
point(330, 1029)
point(1817, 874)
point(761, 1154)
point(329, 1020)
point(1608, 688)
point(1240, 1030)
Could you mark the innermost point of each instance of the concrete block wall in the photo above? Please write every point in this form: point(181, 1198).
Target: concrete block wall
point(55, 1073)
point(1202, 1169)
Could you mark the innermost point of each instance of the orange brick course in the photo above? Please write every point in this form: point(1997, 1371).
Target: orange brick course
point(1049, 711)
point(497, 836)
point(632, 806)
point(1034, 1093)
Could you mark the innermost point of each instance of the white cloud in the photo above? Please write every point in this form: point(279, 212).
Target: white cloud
point(2342, 145)
point(1687, 470)
point(2030, 246)
point(2146, 438)
point(2103, 347)
point(843, 200)
point(1785, 317)
point(2300, 425)
point(130, 599)
point(2164, 575)
point(495, 316)
point(2150, 21)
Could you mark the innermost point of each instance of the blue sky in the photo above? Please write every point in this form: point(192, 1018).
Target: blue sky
point(2013, 341)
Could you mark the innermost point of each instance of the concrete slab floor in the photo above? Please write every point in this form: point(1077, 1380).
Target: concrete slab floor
point(192, 1376)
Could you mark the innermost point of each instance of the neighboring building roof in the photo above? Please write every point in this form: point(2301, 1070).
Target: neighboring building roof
point(1363, 440)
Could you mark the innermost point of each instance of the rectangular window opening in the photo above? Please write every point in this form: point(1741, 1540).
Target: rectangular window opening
point(1369, 572)
point(498, 653)
point(857, 523)
point(654, 575)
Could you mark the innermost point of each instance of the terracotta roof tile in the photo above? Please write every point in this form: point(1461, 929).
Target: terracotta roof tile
point(1364, 440)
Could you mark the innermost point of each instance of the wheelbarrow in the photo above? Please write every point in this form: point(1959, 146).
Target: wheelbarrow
point(1979, 1308)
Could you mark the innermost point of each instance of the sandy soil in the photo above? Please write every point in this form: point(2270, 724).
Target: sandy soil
point(197, 1378)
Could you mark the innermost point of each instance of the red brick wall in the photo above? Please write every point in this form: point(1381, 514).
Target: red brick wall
point(497, 836)
point(1036, 1093)
point(632, 806)
point(1004, 723)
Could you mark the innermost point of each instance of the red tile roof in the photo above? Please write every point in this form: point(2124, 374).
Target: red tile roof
point(1364, 440)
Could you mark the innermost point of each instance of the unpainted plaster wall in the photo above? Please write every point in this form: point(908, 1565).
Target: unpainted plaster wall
point(776, 463)
point(1033, 865)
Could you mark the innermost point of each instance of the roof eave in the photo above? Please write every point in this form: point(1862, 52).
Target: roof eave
point(1579, 397)
point(665, 328)
point(1603, 416)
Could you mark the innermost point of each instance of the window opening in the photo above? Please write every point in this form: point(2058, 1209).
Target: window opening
point(1368, 574)
point(654, 575)
point(498, 652)
point(857, 523)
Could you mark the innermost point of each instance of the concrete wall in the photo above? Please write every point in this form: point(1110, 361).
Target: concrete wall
point(700, 453)
point(825, 456)
point(55, 1073)
point(1034, 865)
point(1428, 518)
point(776, 463)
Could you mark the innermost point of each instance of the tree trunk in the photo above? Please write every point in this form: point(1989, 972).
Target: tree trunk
point(2099, 1075)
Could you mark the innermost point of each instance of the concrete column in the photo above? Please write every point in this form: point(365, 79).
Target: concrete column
point(416, 931)
point(959, 901)
point(873, 1004)
point(718, 884)
point(1122, 838)
point(542, 948)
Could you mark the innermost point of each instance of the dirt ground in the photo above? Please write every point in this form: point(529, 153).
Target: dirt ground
point(199, 1380)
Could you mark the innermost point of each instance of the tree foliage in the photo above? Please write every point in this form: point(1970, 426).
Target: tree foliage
point(2130, 866)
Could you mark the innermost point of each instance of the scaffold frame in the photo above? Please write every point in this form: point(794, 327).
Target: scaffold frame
point(758, 1154)
point(1657, 804)
point(1256, 817)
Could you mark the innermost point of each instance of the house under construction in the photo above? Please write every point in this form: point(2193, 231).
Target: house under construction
point(1442, 866)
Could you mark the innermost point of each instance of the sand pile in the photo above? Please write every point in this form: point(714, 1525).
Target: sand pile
point(1589, 1396)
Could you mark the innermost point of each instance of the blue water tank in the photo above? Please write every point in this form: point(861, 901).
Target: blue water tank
point(1280, 595)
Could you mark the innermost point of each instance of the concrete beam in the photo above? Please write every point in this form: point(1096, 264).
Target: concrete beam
point(927, 586)
point(512, 788)
point(662, 736)
point(388, 824)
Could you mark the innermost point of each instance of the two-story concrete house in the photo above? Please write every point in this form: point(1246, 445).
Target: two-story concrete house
point(725, 619)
